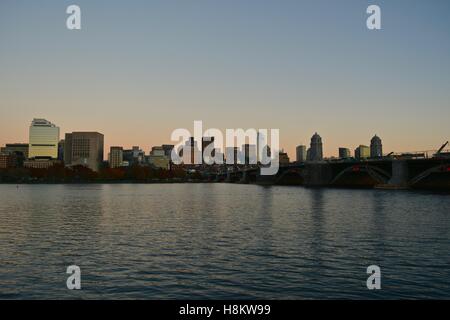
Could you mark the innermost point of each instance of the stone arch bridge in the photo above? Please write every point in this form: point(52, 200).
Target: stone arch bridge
point(381, 173)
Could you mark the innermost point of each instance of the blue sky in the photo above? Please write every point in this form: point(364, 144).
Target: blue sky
point(139, 69)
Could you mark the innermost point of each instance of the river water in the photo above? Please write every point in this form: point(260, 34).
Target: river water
point(221, 241)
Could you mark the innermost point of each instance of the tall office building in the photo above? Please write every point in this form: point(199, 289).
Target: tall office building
point(376, 147)
point(301, 153)
point(265, 156)
point(250, 153)
point(262, 148)
point(206, 141)
point(316, 152)
point(61, 150)
point(43, 139)
point(232, 155)
point(115, 157)
point(190, 153)
point(362, 152)
point(344, 153)
point(84, 148)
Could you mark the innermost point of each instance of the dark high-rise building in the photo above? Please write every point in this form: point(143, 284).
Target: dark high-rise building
point(344, 153)
point(315, 151)
point(300, 153)
point(61, 150)
point(376, 147)
point(250, 153)
point(84, 148)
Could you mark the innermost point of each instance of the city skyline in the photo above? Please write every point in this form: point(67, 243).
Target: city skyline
point(302, 67)
point(228, 158)
point(293, 155)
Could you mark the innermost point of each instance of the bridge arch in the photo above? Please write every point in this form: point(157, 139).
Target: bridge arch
point(421, 176)
point(291, 171)
point(379, 175)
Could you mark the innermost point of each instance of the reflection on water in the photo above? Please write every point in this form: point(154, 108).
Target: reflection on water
point(221, 241)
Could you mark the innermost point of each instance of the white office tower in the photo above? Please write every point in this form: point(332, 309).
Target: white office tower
point(44, 138)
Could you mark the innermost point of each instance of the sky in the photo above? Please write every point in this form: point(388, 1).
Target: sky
point(137, 70)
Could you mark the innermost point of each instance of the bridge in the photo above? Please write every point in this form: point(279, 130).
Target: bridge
point(392, 172)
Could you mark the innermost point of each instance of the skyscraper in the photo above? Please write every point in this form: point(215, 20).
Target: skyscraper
point(316, 152)
point(191, 153)
point(376, 147)
point(362, 152)
point(232, 155)
point(301, 153)
point(115, 157)
point(84, 148)
point(250, 153)
point(43, 139)
point(206, 141)
point(61, 150)
point(344, 153)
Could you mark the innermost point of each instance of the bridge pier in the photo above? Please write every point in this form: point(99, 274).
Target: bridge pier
point(265, 179)
point(400, 176)
point(318, 174)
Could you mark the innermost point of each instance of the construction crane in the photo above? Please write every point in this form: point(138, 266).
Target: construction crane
point(441, 148)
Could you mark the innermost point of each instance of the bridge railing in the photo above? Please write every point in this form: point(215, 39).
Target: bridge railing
point(426, 154)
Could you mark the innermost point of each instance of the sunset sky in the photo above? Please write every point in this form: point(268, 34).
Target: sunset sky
point(140, 69)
